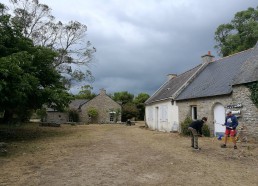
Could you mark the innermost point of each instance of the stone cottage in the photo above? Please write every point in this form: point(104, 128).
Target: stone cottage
point(218, 85)
point(108, 111)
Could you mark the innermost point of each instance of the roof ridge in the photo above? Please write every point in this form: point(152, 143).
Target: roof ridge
point(190, 79)
point(233, 54)
point(187, 71)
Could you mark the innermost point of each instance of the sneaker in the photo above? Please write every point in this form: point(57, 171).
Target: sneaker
point(196, 148)
point(223, 146)
point(235, 147)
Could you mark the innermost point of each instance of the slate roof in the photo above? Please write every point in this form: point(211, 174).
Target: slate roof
point(249, 70)
point(219, 76)
point(170, 87)
point(77, 103)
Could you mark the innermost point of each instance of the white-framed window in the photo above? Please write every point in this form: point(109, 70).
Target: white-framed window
point(194, 112)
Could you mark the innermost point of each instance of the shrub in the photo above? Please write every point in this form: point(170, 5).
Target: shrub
point(206, 130)
point(92, 112)
point(184, 126)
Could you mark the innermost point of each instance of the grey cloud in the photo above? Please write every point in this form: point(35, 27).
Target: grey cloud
point(139, 42)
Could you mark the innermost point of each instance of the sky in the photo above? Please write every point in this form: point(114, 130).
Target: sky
point(140, 42)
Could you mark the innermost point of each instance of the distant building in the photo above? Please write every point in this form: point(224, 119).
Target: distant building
point(108, 110)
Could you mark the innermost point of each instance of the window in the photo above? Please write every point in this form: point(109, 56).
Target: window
point(164, 113)
point(194, 112)
point(150, 114)
point(111, 116)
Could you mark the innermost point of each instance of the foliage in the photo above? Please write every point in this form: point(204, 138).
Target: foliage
point(93, 112)
point(238, 35)
point(131, 106)
point(123, 97)
point(74, 54)
point(129, 111)
point(139, 102)
point(28, 78)
point(206, 130)
point(73, 115)
point(85, 93)
point(184, 126)
point(253, 87)
point(41, 113)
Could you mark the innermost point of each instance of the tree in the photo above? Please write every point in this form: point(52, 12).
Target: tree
point(36, 22)
point(139, 102)
point(123, 97)
point(28, 78)
point(85, 93)
point(129, 110)
point(238, 35)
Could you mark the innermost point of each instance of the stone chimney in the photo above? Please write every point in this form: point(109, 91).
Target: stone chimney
point(102, 91)
point(171, 76)
point(207, 57)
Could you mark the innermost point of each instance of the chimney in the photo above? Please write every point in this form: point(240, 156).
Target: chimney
point(171, 76)
point(102, 91)
point(207, 57)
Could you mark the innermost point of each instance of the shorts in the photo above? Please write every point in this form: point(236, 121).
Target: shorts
point(230, 132)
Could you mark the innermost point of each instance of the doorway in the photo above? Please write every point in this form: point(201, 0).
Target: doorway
point(219, 119)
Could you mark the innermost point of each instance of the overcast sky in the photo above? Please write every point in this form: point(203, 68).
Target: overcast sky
point(139, 42)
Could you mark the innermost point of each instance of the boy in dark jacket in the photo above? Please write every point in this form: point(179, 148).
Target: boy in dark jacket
point(196, 128)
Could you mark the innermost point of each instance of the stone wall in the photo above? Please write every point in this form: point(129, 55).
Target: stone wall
point(57, 117)
point(240, 95)
point(204, 108)
point(249, 112)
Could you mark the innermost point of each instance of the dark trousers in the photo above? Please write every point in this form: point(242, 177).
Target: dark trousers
point(194, 137)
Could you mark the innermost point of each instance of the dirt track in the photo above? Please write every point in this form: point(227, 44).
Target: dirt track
point(129, 155)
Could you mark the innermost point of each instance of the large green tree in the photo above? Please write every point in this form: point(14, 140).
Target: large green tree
point(238, 35)
point(28, 78)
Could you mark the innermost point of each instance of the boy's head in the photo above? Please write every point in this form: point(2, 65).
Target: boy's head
point(204, 119)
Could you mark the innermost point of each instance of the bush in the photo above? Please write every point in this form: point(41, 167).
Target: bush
point(206, 130)
point(93, 112)
point(184, 126)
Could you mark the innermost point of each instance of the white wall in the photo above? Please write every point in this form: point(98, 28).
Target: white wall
point(162, 116)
